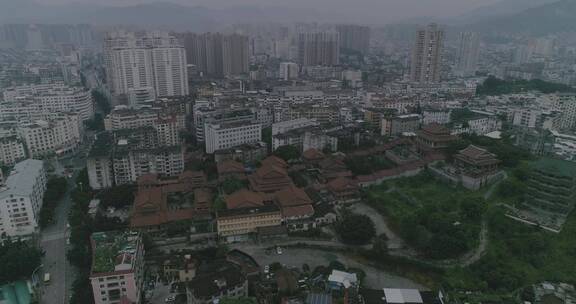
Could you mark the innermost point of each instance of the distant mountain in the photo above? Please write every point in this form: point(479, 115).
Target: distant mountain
point(545, 19)
point(501, 8)
point(163, 15)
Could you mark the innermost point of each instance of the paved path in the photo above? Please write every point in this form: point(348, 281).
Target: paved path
point(296, 257)
point(394, 241)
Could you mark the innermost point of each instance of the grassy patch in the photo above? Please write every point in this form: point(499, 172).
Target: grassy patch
point(439, 220)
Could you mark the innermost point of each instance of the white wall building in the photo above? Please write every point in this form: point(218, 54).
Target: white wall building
point(155, 60)
point(11, 150)
point(285, 126)
point(566, 104)
point(288, 71)
point(21, 199)
point(57, 135)
point(432, 115)
point(48, 98)
point(100, 173)
point(224, 136)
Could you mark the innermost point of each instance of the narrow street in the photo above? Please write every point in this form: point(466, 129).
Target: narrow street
point(53, 242)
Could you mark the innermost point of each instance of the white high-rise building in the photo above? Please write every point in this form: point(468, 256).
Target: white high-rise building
point(288, 71)
point(427, 55)
point(468, 53)
point(154, 60)
point(21, 199)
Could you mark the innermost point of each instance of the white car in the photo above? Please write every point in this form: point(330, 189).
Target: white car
point(170, 299)
point(279, 250)
point(267, 269)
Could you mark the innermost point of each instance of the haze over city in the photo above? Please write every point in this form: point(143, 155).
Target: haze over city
point(287, 152)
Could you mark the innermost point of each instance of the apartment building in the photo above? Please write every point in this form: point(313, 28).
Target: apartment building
point(117, 272)
point(427, 55)
point(21, 199)
point(58, 134)
point(118, 160)
point(50, 98)
point(566, 104)
point(288, 125)
point(207, 115)
point(435, 115)
point(11, 150)
point(225, 136)
point(166, 126)
point(318, 48)
point(395, 126)
point(153, 59)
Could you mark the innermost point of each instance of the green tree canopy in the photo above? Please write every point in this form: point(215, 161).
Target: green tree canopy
point(18, 260)
point(288, 152)
point(355, 229)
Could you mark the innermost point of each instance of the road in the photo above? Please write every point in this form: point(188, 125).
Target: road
point(296, 257)
point(53, 242)
point(394, 241)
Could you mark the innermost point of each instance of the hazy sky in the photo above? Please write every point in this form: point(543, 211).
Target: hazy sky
point(371, 9)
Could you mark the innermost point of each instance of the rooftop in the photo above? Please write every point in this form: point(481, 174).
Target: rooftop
point(113, 249)
point(556, 167)
point(22, 178)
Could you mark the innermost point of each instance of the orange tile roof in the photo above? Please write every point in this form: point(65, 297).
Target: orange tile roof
point(313, 154)
point(244, 198)
point(230, 167)
point(341, 184)
point(292, 196)
point(298, 211)
point(275, 161)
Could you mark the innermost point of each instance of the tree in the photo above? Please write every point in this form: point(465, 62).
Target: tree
point(337, 265)
point(18, 260)
point(117, 197)
point(267, 137)
point(81, 289)
point(380, 245)
point(299, 180)
point(219, 203)
point(288, 152)
point(232, 185)
point(242, 300)
point(55, 189)
point(473, 208)
point(101, 101)
point(356, 229)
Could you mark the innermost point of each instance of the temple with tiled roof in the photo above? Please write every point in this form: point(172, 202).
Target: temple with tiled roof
point(433, 137)
point(269, 178)
point(343, 189)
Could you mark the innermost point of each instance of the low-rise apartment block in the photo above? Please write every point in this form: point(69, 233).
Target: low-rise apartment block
point(21, 199)
point(117, 273)
point(117, 161)
point(225, 136)
point(11, 150)
point(59, 134)
point(53, 98)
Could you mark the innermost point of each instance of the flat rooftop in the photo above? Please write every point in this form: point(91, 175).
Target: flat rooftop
point(112, 250)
